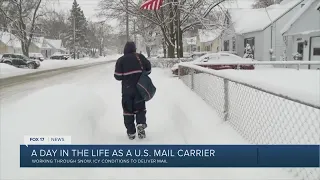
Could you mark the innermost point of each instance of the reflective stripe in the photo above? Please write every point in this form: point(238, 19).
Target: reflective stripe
point(140, 111)
point(118, 74)
point(127, 114)
point(132, 72)
point(127, 73)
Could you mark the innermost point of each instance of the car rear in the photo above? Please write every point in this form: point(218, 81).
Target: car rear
point(222, 60)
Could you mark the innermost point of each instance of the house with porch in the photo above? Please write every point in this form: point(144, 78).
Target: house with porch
point(302, 34)
point(52, 46)
point(208, 40)
point(260, 28)
point(47, 47)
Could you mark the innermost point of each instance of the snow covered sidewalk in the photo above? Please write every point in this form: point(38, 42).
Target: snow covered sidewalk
point(92, 114)
point(9, 71)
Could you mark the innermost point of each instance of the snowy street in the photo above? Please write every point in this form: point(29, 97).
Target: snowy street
point(86, 104)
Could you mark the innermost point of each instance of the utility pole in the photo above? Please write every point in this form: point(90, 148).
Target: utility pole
point(134, 30)
point(178, 40)
point(127, 20)
point(101, 42)
point(74, 36)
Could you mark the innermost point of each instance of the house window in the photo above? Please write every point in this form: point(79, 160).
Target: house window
point(316, 51)
point(226, 45)
point(233, 44)
point(300, 48)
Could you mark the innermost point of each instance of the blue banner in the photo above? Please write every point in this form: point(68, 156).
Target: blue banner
point(169, 156)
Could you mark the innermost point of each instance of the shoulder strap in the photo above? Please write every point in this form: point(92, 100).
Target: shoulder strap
point(139, 61)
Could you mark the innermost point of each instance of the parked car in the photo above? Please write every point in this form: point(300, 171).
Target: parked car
point(205, 60)
point(59, 57)
point(196, 55)
point(230, 52)
point(187, 55)
point(19, 60)
point(36, 56)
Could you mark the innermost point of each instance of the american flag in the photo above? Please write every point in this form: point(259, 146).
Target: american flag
point(152, 4)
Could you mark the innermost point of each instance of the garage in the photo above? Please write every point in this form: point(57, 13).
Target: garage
point(315, 50)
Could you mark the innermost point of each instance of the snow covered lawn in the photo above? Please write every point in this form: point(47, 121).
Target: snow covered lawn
point(93, 115)
point(303, 85)
point(8, 71)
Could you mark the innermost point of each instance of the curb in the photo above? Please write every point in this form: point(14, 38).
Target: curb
point(12, 80)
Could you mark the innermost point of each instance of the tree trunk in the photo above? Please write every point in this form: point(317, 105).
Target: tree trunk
point(25, 48)
point(177, 28)
point(180, 44)
point(164, 49)
point(171, 36)
point(148, 49)
point(170, 51)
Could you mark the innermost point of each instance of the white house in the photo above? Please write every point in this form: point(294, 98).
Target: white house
point(260, 28)
point(190, 44)
point(36, 45)
point(52, 46)
point(208, 40)
point(9, 43)
point(302, 33)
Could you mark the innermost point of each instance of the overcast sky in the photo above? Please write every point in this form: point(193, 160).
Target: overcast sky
point(89, 7)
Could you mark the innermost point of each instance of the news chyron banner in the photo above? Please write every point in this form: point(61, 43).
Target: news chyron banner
point(42, 153)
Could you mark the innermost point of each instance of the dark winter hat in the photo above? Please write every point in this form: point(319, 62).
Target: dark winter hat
point(130, 47)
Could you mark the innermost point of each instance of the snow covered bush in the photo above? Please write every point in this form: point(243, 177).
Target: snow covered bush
point(248, 52)
point(297, 56)
point(167, 62)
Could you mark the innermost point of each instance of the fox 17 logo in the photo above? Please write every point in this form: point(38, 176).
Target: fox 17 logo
point(36, 139)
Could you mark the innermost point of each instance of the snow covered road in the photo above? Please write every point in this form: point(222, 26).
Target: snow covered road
point(86, 104)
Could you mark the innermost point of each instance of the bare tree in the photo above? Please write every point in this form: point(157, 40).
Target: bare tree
point(98, 37)
point(173, 19)
point(21, 17)
point(54, 25)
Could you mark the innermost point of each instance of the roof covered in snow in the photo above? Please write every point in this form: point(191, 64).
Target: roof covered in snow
point(251, 20)
point(55, 43)
point(206, 35)
point(296, 16)
point(310, 32)
point(10, 39)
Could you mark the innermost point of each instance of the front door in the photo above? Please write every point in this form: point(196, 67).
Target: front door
point(315, 51)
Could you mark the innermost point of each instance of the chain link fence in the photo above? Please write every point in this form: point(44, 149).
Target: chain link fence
point(261, 117)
